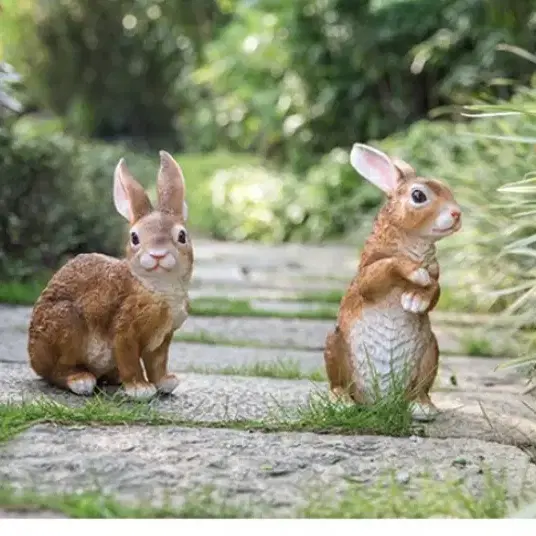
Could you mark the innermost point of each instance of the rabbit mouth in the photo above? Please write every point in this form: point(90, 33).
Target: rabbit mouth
point(447, 230)
point(156, 266)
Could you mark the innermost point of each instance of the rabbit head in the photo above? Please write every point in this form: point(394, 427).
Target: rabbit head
point(159, 244)
point(422, 207)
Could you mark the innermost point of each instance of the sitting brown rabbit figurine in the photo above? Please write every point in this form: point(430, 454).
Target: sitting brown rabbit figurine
point(100, 317)
point(383, 329)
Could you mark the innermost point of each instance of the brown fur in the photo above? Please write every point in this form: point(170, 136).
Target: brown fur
point(387, 263)
point(96, 303)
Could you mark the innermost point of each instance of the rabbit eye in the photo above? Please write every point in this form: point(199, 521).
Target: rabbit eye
point(418, 196)
point(181, 238)
point(134, 238)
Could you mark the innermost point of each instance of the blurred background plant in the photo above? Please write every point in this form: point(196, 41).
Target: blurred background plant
point(8, 104)
point(261, 101)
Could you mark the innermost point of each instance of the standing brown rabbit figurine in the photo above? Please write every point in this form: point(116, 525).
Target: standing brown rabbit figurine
point(383, 330)
point(99, 317)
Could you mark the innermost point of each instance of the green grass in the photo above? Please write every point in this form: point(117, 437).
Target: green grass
point(16, 293)
point(332, 297)
point(280, 369)
point(477, 346)
point(15, 418)
point(381, 500)
point(97, 505)
point(205, 337)
point(494, 343)
point(390, 416)
point(450, 499)
point(454, 299)
point(241, 308)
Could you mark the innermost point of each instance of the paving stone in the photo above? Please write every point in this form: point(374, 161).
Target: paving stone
point(14, 317)
point(290, 266)
point(481, 407)
point(279, 471)
point(466, 373)
point(266, 331)
point(291, 332)
point(246, 293)
point(326, 260)
point(492, 414)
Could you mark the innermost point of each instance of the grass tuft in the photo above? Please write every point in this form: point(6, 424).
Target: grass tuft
point(427, 498)
point(280, 369)
point(240, 308)
point(17, 293)
point(98, 505)
point(205, 337)
point(477, 346)
point(100, 409)
point(420, 498)
point(332, 297)
point(389, 416)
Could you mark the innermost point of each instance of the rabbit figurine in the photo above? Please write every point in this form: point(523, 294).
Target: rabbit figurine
point(383, 330)
point(100, 317)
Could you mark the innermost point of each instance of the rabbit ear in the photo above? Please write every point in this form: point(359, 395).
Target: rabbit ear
point(130, 199)
point(171, 187)
point(374, 166)
point(406, 171)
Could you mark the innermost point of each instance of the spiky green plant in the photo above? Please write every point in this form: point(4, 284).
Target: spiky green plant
point(516, 224)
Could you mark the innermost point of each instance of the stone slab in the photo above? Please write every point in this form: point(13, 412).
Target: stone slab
point(466, 373)
point(326, 260)
point(247, 293)
point(277, 473)
point(267, 331)
point(493, 415)
point(287, 332)
point(293, 332)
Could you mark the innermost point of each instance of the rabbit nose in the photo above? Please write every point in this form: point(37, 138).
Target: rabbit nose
point(158, 253)
point(455, 213)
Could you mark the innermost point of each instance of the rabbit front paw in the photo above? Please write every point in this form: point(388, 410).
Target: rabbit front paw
point(420, 277)
point(414, 303)
point(140, 391)
point(82, 383)
point(168, 383)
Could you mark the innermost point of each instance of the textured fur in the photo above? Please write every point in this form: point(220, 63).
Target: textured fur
point(100, 319)
point(383, 328)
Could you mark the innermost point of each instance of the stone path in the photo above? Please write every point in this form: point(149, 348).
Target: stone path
point(485, 419)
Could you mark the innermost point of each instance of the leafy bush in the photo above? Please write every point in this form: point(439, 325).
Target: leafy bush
point(274, 206)
point(57, 196)
point(48, 209)
point(8, 104)
point(113, 69)
point(295, 80)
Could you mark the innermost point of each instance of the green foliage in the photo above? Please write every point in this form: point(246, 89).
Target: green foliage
point(296, 80)
point(8, 104)
point(111, 68)
point(426, 498)
point(55, 203)
point(57, 198)
point(273, 206)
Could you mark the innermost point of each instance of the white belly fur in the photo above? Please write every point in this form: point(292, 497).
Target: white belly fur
point(387, 342)
point(99, 355)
